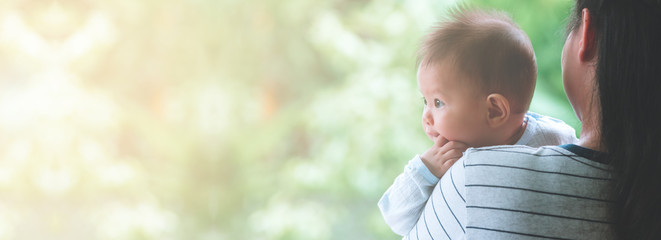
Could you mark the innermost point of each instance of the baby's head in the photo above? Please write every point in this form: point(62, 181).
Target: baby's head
point(477, 75)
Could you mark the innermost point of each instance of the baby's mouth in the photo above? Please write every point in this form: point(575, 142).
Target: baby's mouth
point(431, 133)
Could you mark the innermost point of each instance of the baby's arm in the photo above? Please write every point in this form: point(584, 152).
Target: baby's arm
point(404, 201)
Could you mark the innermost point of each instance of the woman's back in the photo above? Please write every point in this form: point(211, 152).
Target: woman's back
point(555, 192)
point(513, 192)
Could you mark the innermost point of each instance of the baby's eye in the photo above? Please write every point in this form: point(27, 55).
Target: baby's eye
point(438, 103)
point(424, 101)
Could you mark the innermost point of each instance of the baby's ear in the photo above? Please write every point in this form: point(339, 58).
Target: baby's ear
point(498, 110)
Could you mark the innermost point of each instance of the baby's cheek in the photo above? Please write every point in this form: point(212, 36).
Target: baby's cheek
point(448, 130)
point(453, 136)
point(455, 131)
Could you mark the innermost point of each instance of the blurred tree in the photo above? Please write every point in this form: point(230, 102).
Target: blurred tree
point(206, 119)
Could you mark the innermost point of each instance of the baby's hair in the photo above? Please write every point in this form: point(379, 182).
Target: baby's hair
point(488, 47)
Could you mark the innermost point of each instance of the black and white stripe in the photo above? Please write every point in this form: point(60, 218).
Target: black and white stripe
point(518, 192)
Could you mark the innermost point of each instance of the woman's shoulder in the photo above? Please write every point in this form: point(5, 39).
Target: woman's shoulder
point(566, 158)
point(493, 153)
point(547, 191)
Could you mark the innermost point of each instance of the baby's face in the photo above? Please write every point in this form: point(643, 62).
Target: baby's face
point(454, 107)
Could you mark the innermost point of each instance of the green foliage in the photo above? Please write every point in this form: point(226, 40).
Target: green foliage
point(208, 119)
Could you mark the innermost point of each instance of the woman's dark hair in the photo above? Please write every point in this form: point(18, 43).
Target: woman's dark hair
point(628, 74)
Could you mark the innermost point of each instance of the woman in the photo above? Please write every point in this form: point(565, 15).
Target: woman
point(626, 39)
point(608, 185)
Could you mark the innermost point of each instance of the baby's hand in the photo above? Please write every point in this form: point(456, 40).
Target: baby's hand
point(440, 157)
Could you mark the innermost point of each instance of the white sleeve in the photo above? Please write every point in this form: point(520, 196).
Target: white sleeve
point(404, 201)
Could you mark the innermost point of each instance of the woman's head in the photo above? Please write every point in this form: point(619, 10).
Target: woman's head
point(578, 72)
point(623, 37)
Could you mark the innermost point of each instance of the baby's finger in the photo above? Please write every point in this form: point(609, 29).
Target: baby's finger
point(454, 145)
point(447, 164)
point(453, 153)
point(441, 141)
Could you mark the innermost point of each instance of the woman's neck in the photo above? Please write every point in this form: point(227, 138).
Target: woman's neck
point(590, 133)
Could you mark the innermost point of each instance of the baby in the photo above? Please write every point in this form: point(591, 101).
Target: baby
point(477, 75)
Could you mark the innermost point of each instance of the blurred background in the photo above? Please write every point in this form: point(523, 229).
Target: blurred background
point(221, 119)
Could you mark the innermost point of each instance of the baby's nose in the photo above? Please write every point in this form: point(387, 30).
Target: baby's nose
point(427, 118)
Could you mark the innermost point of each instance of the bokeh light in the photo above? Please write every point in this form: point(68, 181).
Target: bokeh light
point(220, 119)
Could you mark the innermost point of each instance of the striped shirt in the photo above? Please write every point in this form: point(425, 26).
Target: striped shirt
point(402, 204)
point(519, 192)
